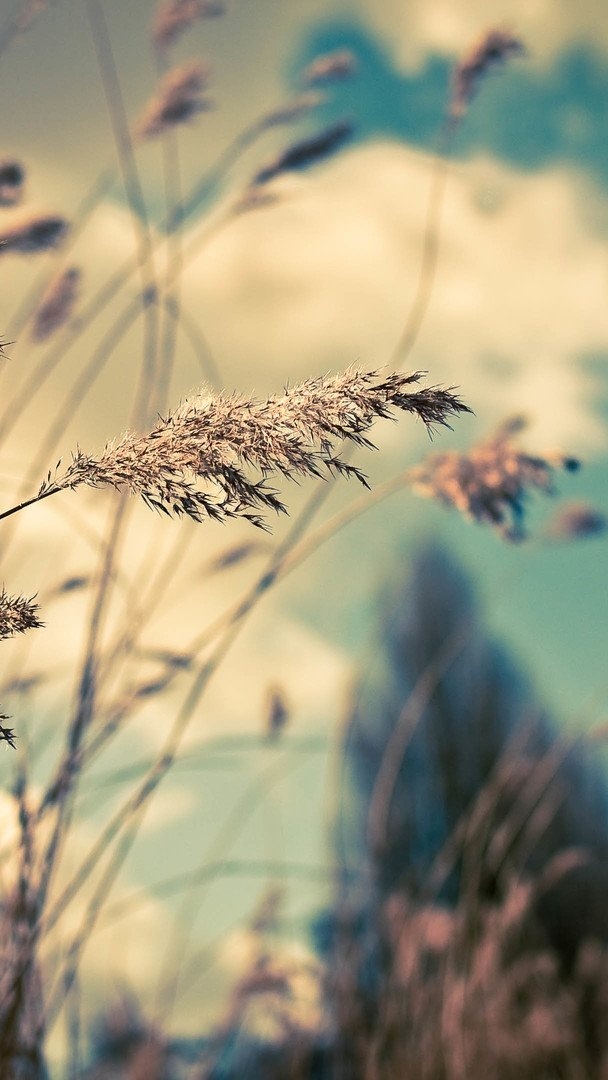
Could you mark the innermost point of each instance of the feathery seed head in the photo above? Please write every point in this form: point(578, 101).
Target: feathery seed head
point(7, 734)
point(494, 48)
point(31, 232)
point(57, 304)
point(489, 483)
point(212, 458)
point(307, 151)
point(174, 17)
point(177, 100)
point(17, 614)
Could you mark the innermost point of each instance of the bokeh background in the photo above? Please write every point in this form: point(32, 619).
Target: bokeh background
point(321, 278)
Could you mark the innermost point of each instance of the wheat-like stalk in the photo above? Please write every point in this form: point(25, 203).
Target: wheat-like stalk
point(494, 48)
point(57, 303)
point(17, 614)
point(212, 457)
point(28, 232)
point(307, 151)
point(490, 482)
point(174, 17)
point(178, 98)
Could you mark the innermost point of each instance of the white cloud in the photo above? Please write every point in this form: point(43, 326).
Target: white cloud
point(325, 278)
point(451, 26)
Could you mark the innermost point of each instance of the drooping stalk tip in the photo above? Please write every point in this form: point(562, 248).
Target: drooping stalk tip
point(214, 457)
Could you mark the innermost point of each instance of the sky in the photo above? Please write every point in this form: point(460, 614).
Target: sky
point(320, 279)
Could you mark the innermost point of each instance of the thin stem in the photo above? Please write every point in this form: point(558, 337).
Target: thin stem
point(29, 502)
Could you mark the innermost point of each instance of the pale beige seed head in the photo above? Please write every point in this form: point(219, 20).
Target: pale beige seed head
point(178, 98)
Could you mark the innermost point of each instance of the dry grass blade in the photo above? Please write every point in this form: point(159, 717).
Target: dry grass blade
point(194, 461)
point(489, 483)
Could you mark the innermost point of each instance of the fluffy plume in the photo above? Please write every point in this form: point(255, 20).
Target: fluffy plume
point(17, 614)
point(7, 734)
point(331, 67)
point(177, 100)
point(198, 460)
point(57, 304)
point(31, 232)
point(489, 483)
point(576, 521)
point(307, 151)
point(493, 49)
point(12, 178)
point(174, 17)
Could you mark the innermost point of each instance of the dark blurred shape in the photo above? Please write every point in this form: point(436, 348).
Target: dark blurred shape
point(575, 521)
point(32, 232)
point(276, 713)
point(474, 843)
point(57, 303)
point(12, 178)
point(494, 49)
point(491, 482)
point(124, 1045)
point(469, 933)
point(307, 152)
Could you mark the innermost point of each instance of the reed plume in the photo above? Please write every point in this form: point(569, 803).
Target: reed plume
point(57, 304)
point(193, 462)
point(174, 17)
point(177, 99)
point(31, 232)
point(307, 151)
point(17, 614)
point(494, 48)
point(490, 483)
point(7, 734)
